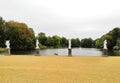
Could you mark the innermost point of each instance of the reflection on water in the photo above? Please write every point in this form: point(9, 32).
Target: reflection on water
point(64, 52)
point(87, 52)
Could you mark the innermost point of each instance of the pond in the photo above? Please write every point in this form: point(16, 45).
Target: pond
point(64, 52)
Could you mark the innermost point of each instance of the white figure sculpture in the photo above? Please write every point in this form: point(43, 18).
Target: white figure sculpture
point(7, 44)
point(69, 44)
point(105, 44)
point(37, 42)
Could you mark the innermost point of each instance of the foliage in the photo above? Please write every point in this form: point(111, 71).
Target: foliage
point(64, 42)
point(98, 43)
point(49, 42)
point(56, 41)
point(112, 37)
point(116, 48)
point(2, 49)
point(42, 38)
point(86, 42)
point(20, 36)
point(118, 42)
point(2, 34)
point(42, 46)
point(75, 42)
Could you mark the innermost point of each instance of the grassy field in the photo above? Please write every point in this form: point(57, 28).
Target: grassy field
point(59, 69)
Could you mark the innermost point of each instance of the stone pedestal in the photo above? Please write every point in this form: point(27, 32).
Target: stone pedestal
point(69, 52)
point(105, 51)
point(8, 52)
point(37, 52)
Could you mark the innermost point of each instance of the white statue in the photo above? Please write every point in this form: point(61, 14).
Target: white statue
point(37, 42)
point(69, 43)
point(105, 44)
point(7, 44)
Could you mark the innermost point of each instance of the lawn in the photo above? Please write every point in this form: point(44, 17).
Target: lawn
point(59, 69)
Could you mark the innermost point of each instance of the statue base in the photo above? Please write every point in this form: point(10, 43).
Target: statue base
point(37, 52)
point(70, 52)
point(105, 51)
point(8, 52)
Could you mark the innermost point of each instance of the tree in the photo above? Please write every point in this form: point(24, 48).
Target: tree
point(2, 33)
point(20, 36)
point(75, 42)
point(86, 42)
point(98, 43)
point(64, 42)
point(49, 42)
point(56, 41)
point(42, 38)
point(118, 43)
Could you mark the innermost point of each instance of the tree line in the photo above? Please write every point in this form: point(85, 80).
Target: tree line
point(23, 37)
point(57, 41)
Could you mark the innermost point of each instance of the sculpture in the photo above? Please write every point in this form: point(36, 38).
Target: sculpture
point(105, 44)
point(37, 42)
point(7, 44)
point(69, 44)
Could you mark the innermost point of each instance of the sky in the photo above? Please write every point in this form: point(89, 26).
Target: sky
point(68, 18)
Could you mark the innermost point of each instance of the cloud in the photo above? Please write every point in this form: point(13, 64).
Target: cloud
point(69, 18)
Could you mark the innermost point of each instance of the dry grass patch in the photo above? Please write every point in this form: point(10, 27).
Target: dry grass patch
point(55, 69)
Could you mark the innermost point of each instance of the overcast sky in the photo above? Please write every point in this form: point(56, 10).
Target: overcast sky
point(69, 18)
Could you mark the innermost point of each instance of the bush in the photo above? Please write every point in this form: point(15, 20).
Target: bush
point(2, 49)
point(116, 48)
point(42, 46)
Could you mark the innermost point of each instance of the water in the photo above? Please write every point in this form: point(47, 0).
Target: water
point(75, 52)
point(64, 52)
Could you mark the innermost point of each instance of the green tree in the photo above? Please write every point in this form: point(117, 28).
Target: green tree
point(115, 34)
point(42, 38)
point(75, 42)
point(49, 42)
point(86, 42)
point(20, 35)
point(56, 41)
point(64, 42)
point(118, 42)
point(2, 33)
point(98, 43)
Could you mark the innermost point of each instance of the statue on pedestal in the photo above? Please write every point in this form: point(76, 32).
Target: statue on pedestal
point(8, 47)
point(69, 48)
point(37, 48)
point(105, 50)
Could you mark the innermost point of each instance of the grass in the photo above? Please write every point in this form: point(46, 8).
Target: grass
point(59, 69)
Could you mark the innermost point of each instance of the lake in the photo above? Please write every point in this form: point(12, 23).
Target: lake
point(64, 52)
